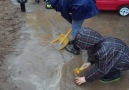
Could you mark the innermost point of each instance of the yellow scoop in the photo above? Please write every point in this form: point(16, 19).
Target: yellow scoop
point(63, 39)
point(76, 71)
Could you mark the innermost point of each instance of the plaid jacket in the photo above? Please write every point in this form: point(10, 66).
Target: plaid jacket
point(105, 52)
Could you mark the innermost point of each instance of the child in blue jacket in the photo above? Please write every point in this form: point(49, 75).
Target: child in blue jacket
point(75, 12)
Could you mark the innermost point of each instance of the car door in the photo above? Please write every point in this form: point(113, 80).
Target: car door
point(106, 4)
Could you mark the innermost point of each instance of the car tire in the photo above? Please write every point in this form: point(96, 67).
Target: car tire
point(124, 11)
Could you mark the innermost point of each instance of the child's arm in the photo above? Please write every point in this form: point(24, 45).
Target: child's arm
point(86, 65)
point(76, 71)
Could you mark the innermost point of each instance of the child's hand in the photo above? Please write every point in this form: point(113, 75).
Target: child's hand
point(86, 65)
point(80, 80)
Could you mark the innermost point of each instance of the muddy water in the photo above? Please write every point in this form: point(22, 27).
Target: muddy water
point(36, 64)
point(40, 66)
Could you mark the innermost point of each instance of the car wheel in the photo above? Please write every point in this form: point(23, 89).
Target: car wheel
point(124, 11)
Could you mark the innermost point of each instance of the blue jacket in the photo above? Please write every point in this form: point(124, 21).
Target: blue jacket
point(75, 9)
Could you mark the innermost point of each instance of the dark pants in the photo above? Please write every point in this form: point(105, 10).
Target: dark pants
point(46, 0)
point(37, 1)
point(23, 8)
point(113, 74)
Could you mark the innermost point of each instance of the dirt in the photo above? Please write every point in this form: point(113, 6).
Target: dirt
point(10, 23)
point(32, 70)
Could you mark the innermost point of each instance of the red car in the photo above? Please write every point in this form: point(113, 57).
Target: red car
point(121, 5)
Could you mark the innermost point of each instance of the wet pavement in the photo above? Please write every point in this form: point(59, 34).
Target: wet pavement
point(38, 65)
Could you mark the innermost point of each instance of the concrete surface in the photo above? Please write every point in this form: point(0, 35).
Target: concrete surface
point(38, 65)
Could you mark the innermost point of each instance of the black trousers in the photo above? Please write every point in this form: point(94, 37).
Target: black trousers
point(46, 0)
point(114, 73)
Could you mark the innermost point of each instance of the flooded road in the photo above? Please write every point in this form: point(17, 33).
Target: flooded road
point(38, 65)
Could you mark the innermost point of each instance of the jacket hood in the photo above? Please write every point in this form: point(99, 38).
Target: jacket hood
point(87, 38)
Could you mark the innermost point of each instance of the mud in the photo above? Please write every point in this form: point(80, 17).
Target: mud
point(10, 23)
point(34, 64)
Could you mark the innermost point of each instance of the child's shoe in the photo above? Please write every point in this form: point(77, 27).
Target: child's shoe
point(71, 42)
point(37, 1)
point(48, 5)
point(70, 48)
point(105, 79)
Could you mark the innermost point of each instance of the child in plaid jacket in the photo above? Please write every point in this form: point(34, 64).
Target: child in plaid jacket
point(108, 56)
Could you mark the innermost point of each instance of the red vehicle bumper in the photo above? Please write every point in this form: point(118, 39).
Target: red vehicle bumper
point(111, 4)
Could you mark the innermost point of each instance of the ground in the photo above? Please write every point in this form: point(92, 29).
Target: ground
point(29, 62)
point(10, 22)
